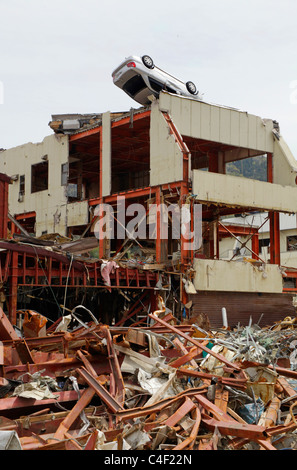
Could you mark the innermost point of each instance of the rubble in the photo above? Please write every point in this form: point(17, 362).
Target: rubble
point(169, 385)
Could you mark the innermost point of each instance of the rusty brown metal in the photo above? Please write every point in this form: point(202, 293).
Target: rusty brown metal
point(84, 400)
point(117, 384)
point(188, 357)
point(7, 331)
point(185, 408)
point(188, 443)
point(232, 428)
point(21, 405)
point(286, 387)
point(157, 407)
point(269, 417)
point(239, 383)
point(101, 391)
point(94, 356)
point(195, 342)
point(179, 345)
point(221, 398)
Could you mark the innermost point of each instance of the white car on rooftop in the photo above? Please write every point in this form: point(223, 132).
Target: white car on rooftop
point(140, 78)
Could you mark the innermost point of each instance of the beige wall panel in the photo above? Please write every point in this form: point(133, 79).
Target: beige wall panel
point(186, 115)
point(177, 113)
point(243, 192)
point(252, 132)
point(234, 128)
point(205, 121)
point(77, 213)
point(235, 276)
point(165, 156)
point(215, 124)
point(49, 204)
point(289, 259)
point(225, 125)
point(260, 135)
point(195, 118)
point(284, 164)
point(243, 130)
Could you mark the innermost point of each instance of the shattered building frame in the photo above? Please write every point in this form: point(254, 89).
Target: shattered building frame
point(175, 151)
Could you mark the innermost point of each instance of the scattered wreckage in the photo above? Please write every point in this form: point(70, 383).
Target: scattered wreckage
point(160, 385)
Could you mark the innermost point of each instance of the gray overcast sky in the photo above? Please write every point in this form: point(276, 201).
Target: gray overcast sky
point(57, 57)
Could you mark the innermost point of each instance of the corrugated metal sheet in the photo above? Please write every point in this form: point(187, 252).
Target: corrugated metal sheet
point(218, 123)
point(165, 156)
point(241, 306)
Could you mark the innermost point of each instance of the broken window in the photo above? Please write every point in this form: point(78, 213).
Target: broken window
point(251, 167)
point(292, 243)
point(141, 179)
point(22, 188)
point(27, 221)
point(265, 242)
point(64, 173)
point(39, 177)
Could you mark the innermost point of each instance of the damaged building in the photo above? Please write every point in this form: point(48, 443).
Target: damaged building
point(143, 306)
point(173, 153)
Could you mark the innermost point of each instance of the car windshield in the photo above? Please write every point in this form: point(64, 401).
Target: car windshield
point(134, 85)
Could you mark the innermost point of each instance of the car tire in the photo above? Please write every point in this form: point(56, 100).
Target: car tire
point(191, 87)
point(148, 61)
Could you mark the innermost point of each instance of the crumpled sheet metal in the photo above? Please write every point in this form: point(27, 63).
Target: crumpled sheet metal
point(180, 389)
point(9, 440)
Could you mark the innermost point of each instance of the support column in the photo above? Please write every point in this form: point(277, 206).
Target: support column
point(213, 163)
point(270, 168)
point(101, 240)
point(255, 246)
point(13, 288)
point(274, 238)
point(4, 182)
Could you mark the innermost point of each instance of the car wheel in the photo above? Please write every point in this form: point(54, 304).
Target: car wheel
point(191, 87)
point(148, 61)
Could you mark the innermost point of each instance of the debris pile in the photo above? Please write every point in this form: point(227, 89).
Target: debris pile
point(168, 385)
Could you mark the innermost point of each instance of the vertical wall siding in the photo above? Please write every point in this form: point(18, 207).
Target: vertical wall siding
point(230, 126)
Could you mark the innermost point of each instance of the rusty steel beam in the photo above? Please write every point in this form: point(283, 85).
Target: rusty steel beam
point(195, 342)
point(275, 430)
point(184, 409)
point(275, 238)
point(119, 388)
point(221, 397)
point(18, 404)
point(101, 391)
point(233, 428)
point(54, 369)
point(82, 403)
point(239, 383)
point(35, 443)
point(212, 408)
point(160, 405)
point(270, 415)
point(7, 331)
point(188, 443)
point(187, 357)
